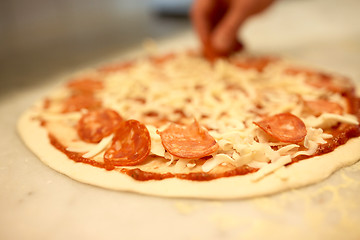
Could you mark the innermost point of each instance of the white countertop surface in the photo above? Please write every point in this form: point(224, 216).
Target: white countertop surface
point(36, 202)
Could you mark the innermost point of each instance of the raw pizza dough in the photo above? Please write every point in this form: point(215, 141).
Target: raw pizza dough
point(275, 178)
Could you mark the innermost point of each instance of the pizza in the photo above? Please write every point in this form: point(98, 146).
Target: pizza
point(177, 125)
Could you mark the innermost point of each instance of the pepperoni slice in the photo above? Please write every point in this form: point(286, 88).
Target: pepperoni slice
point(81, 101)
point(296, 71)
point(284, 127)
point(131, 144)
point(189, 142)
point(87, 85)
point(256, 63)
point(211, 54)
point(323, 80)
point(317, 107)
point(95, 125)
point(162, 59)
point(46, 103)
point(116, 67)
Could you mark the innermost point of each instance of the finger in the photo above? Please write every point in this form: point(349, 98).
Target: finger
point(224, 37)
point(263, 4)
point(205, 15)
point(200, 16)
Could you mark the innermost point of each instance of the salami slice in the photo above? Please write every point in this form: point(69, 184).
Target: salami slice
point(115, 67)
point(326, 81)
point(317, 107)
point(87, 85)
point(284, 127)
point(256, 63)
point(323, 80)
point(189, 142)
point(81, 101)
point(131, 145)
point(95, 125)
point(162, 59)
point(211, 54)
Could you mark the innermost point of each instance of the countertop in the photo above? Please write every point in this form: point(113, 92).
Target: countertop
point(36, 202)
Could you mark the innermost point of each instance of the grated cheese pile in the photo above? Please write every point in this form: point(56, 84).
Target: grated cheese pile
point(225, 99)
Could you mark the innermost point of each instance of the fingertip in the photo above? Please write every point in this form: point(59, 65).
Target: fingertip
point(199, 18)
point(239, 46)
point(222, 44)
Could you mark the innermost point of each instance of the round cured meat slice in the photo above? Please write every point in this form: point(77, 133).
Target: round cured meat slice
point(162, 59)
point(86, 85)
point(189, 142)
point(209, 53)
point(317, 107)
point(337, 85)
point(212, 54)
point(131, 145)
point(116, 67)
point(284, 127)
point(256, 63)
point(323, 80)
point(81, 101)
point(95, 125)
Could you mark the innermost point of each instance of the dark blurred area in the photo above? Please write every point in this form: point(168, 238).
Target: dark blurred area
point(42, 38)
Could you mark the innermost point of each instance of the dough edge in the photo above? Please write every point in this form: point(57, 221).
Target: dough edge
point(299, 174)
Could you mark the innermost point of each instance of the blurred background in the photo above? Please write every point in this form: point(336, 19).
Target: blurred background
point(39, 38)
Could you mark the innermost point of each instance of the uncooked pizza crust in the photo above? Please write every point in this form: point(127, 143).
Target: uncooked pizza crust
point(247, 110)
point(296, 175)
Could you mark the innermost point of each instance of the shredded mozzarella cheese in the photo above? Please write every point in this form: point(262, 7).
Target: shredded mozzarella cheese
point(99, 147)
point(215, 161)
point(282, 161)
point(327, 120)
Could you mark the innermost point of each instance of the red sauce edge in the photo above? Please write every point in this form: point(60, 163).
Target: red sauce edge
point(140, 175)
point(76, 157)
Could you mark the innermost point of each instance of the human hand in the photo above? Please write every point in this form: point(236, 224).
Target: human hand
point(217, 23)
